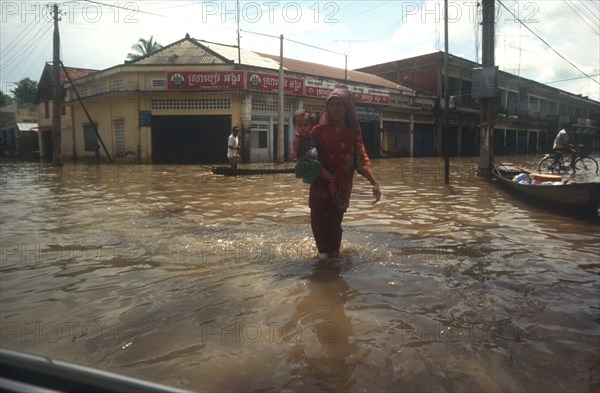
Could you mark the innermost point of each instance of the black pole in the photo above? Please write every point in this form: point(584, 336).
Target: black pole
point(56, 103)
point(87, 113)
point(446, 104)
point(488, 102)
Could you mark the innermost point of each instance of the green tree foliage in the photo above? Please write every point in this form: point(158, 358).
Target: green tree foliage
point(142, 48)
point(5, 99)
point(25, 92)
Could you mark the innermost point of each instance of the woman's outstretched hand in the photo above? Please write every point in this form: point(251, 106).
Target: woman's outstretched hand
point(376, 193)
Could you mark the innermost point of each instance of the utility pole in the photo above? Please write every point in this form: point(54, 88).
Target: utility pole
point(346, 56)
point(280, 128)
point(56, 104)
point(446, 99)
point(238, 33)
point(488, 101)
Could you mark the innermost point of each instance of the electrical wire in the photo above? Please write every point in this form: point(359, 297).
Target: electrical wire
point(35, 40)
point(592, 14)
point(547, 44)
point(583, 19)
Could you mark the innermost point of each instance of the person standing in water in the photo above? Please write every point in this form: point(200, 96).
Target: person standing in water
point(341, 151)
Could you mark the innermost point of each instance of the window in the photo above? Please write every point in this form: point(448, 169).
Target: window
point(190, 103)
point(158, 83)
point(120, 146)
point(263, 141)
point(90, 140)
point(512, 102)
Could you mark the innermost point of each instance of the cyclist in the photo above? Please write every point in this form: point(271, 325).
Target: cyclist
point(562, 144)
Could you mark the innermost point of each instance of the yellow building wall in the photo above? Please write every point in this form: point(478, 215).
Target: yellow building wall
point(108, 101)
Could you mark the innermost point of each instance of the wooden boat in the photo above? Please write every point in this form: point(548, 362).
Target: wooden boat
point(227, 171)
point(552, 192)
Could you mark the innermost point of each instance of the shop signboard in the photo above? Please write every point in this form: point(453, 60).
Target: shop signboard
point(321, 89)
point(205, 80)
point(269, 83)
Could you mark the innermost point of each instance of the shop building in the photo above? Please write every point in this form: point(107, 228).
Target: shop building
point(529, 114)
point(45, 110)
point(178, 105)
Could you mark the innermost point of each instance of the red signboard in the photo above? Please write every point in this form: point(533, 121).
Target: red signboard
point(321, 89)
point(366, 98)
point(318, 92)
point(269, 83)
point(205, 80)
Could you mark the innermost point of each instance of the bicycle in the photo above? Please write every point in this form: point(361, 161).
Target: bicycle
point(554, 163)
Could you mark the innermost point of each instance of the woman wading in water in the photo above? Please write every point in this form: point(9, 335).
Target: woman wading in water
point(338, 140)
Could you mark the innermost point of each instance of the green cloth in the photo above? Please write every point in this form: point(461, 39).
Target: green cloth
point(308, 170)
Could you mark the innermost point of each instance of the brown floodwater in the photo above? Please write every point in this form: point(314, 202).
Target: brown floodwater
point(178, 276)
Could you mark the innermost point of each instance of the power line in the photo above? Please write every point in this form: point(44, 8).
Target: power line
point(35, 41)
point(315, 47)
point(116, 5)
point(546, 43)
point(594, 12)
point(566, 80)
point(581, 16)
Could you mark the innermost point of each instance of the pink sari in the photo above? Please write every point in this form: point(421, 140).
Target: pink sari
point(339, 152)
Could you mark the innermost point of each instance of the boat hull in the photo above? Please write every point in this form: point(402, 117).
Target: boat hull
point(227, 171)
point(573, 197)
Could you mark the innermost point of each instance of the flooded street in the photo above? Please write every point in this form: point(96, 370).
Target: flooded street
point(175, 275)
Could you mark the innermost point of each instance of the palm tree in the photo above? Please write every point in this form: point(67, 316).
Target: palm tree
point(143, 47)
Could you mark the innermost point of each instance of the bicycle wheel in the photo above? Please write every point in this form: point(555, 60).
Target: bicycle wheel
point(548, 165)
point(586, 164)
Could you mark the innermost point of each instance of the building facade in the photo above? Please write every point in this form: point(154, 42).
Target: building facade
point(45, 109)
point(178, 105)
point(18, 132)
point(529, 114)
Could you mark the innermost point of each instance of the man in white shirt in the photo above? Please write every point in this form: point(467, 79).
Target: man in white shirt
point(562, 144)
point(233, 147)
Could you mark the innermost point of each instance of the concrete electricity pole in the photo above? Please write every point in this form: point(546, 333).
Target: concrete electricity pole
point(57, 92)
point(280, 120)
point(488, 102)
point(446, 134)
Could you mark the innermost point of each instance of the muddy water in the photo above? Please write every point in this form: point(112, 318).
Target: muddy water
point(175, 275)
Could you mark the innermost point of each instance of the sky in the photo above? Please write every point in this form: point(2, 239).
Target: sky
point(556, 42)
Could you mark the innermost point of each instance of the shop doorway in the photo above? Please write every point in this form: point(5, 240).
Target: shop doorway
point(190, 139)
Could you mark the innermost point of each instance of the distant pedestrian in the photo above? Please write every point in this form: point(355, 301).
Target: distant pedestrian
point(563, 144)
point(233, 148)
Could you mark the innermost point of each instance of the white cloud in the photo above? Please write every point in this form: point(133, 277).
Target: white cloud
point(94, 36)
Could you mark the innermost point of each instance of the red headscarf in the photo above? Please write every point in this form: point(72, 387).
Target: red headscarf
point(343, 94)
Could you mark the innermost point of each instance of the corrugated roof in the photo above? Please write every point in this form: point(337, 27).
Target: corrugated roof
point(183, 52)
point(307, 68)
point(248, 58)
point(74, 73)
point(199, 52)
point(27, 126)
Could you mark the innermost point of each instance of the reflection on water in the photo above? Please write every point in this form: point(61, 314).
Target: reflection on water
point(175, 275)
